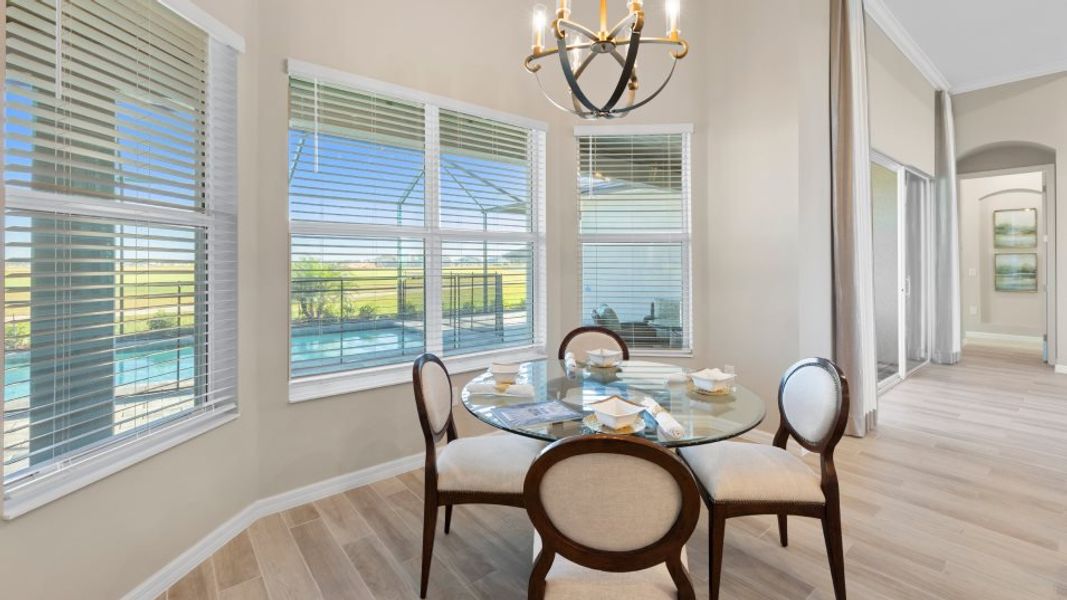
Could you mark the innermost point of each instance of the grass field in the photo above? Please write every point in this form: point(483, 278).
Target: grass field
point(150, 298)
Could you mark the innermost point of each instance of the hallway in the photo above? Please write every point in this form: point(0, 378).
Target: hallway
point(961, 494)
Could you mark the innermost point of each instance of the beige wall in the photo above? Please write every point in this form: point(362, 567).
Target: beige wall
point(901, 104)
point(1030, 111)
point(755, 87)
point(986, 310)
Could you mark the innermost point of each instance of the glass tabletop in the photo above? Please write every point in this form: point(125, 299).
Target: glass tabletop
point(703, 417)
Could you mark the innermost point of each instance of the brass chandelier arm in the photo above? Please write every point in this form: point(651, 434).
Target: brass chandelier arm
point(557, 27)
point(531, 64)
point(627, 71)
point(568, 74)
point(620, 112)
point(626, 21)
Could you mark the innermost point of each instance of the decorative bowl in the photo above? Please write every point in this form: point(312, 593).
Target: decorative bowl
point(603, 357)
point(617, 413)
point(504, 374)
point(712, 380)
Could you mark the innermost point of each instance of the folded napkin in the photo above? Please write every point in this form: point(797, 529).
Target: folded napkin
point(677, 378)
point(667, 424)
point(569, 361)
point(523, 390)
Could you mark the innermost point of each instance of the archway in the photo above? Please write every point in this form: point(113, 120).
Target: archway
point(1009, 283)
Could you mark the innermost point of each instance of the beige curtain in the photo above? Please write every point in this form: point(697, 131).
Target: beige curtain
point(947, 336)
point(854, 347)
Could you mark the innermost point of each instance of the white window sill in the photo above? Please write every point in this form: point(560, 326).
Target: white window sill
point(22, 497)
point(335, 384)
point(653, 353)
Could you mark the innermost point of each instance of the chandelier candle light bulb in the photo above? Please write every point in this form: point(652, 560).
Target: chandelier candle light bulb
point(539, 21)
point(673, 9)
point(621, 43)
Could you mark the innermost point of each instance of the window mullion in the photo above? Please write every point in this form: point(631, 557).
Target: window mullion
point(432, 241)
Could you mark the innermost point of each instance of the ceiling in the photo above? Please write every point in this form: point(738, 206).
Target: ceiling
point(974, 44)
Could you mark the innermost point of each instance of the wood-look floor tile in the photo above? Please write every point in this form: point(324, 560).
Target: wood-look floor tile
point(333, 572)
point(252, 589)
point(301, 514)
point(285, 573)
point(199, 584)
point(346, 524)
point(235, 562)
point(380, 572)
point(401, 541)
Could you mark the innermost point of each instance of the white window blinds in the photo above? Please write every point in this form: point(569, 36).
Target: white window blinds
point(634, 206)
point(415, 228)
point(120, 230)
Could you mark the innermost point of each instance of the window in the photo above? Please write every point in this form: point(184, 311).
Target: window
point(634, 202)
point(415, 226)
point(120, 235)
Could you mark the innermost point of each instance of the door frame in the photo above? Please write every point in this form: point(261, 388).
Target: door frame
point(902, 170)
point(1048, 203)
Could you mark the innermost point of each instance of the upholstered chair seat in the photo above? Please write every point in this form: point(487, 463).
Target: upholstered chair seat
point(740, 472)
point(482, 470)
point(494, 463)
point(571, 581)
point(612, 515)
point(740, 479)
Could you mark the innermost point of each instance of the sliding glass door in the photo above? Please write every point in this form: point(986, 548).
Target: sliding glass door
point(900, 239)
point(885, 217)
point(916, 271)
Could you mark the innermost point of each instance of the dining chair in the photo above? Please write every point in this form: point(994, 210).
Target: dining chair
point(583, 339)
point(487, 469)
point(739, 479)
point(612, 515)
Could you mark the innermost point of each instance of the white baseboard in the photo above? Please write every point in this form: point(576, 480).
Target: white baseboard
point(212, 542)
point(1061, 369)
point(1021, 341)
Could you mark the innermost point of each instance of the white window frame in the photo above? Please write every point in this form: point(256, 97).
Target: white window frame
point(685, 238)
point(82, 469)
point(343, 382)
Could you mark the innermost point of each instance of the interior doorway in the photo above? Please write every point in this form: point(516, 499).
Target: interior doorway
point(901, 237)
point(1007, 227)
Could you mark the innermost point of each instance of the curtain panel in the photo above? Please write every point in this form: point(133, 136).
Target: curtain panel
point(947, 335)
point(854, 343)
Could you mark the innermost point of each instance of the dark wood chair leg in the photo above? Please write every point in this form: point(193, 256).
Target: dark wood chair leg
point(716, 537)
point(835, 549)
point(448, 518)
point(429, 525)
point(783, 530)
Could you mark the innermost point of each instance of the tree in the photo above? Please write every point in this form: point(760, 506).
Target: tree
point(317, 289)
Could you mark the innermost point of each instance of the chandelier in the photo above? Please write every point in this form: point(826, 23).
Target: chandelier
point(622, 42)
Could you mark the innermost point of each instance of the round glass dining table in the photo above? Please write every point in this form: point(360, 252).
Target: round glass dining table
point(703, 417)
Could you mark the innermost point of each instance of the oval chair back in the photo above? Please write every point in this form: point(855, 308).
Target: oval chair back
point(583, 339)
point(433, 401)
point(611, 503)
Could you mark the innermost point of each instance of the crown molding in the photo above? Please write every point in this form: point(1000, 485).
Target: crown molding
point(885, 19)
point(981, 84)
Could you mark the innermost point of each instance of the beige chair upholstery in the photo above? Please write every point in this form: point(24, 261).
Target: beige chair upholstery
point(612, 516)
point(630, 502)
point(492, 463)
point(570, 581)
point(581, 344)
point(437, 393)
point(811, 400)
point(741, 472)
